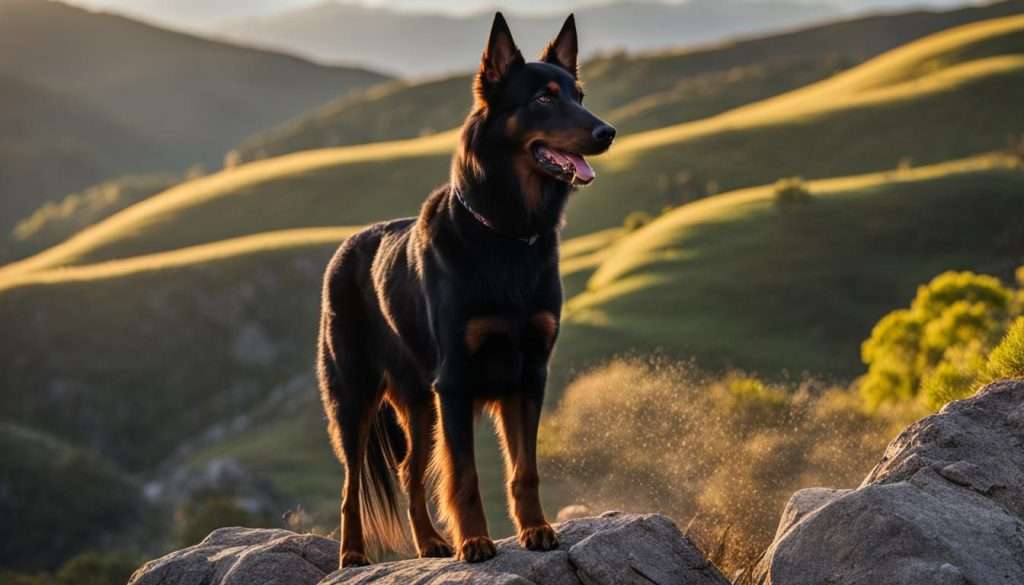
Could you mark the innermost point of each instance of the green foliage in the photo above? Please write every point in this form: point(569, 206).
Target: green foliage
point(792, 192)
point(936, 350)
point(1007, 359)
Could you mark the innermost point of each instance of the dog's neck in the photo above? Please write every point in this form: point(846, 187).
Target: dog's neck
point(504, 195)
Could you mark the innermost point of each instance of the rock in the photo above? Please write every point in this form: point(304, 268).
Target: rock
point(615, 548)
point(244, 556)
point(803, 503)
point(945, 505)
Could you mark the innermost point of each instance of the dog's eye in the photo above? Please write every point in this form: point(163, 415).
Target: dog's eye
point(544, 99)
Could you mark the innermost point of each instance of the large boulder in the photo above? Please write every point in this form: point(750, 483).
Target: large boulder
point(945, 505)
point(612, 549)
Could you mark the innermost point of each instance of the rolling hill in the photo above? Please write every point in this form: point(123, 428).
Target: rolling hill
point(911, 104)
point(95, 339)
point(131, 97)
point(202, 299)
point(635, 92)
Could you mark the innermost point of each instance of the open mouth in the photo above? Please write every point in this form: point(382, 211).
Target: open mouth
point(562, 165)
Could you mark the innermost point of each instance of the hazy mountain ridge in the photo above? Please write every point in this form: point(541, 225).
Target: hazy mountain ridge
point(133, 97)
point(416, 44)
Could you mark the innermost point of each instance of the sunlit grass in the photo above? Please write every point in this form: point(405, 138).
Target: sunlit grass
point(193, 255)
point(736, 280)
point(174, 209)
point(905, 104)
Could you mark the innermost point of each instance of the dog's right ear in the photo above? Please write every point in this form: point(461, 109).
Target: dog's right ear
point(500, 56)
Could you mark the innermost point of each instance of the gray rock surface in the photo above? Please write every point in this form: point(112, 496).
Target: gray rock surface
point(945, 505)
point(612, 549)
point(244, 556)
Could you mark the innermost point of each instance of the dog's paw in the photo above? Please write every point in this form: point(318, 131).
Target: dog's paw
point(538, 538)
point(476, 549)
point(436, 548)
point(353, 559)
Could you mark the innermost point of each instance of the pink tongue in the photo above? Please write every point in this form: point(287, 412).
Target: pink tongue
point(584, 172)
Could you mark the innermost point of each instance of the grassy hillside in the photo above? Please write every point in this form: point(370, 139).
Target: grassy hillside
point(185, 100)
point(759, 286)
point(110, 339)
point(635, 92)
point(55, 222)
point(46, 129)
point(58, 500)
point(911, 104)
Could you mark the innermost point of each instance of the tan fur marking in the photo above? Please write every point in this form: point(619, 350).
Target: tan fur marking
point(554, 88)
point(477, 331)
point(547, 324)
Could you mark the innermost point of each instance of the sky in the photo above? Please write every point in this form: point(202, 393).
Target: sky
point(209, 13)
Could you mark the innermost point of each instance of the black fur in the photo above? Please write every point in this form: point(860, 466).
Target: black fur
point(425, 321)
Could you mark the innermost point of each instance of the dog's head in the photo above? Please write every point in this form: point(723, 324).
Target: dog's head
point(534, 112)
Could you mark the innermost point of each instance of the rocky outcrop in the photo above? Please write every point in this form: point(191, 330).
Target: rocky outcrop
point(944, 506)
point(612, 549)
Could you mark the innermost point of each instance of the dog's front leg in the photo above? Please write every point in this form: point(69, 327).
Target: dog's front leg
point(460, 492)
point(519, 417)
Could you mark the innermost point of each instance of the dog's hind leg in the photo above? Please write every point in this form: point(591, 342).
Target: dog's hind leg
point(415, 407)
point(351, 392)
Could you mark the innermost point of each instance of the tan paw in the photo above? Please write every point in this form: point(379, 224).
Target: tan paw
point(476, 549)
point(538, 538)
point(354, 559)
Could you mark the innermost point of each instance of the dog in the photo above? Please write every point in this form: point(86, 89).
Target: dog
point(427, 321)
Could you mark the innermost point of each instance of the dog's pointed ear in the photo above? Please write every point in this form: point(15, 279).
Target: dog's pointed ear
point(500, 55)
point(564, 49)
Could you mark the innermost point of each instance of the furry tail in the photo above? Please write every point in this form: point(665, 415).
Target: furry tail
point(383, 526)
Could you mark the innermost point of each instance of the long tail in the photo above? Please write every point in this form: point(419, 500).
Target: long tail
point(382, 523)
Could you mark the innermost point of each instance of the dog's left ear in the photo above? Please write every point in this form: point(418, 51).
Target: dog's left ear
point(564, 49)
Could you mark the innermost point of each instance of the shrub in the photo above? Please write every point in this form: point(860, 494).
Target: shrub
point(792, 192)
point(725, 451)
point(197, 517)
point(1007, 359)
point(934, 351)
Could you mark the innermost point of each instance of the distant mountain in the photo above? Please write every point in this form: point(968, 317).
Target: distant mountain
point(418, 43)
point(84, 96)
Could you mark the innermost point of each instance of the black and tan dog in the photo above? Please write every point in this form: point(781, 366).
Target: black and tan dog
point(427, 321)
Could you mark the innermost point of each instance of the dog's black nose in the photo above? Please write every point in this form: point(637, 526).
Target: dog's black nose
point(604, 133)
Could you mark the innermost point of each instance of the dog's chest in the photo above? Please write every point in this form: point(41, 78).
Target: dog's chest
point(534, 331)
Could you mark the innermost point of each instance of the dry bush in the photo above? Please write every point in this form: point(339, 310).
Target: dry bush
point(720, 454)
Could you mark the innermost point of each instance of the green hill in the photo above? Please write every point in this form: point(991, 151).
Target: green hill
point(55, 222)
point(224, 331)
point(156, 99)
point(911, 104)
point(635, 92)
point(765, 287)
point(202, 299)
point(45, 129)
point(59, 500)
